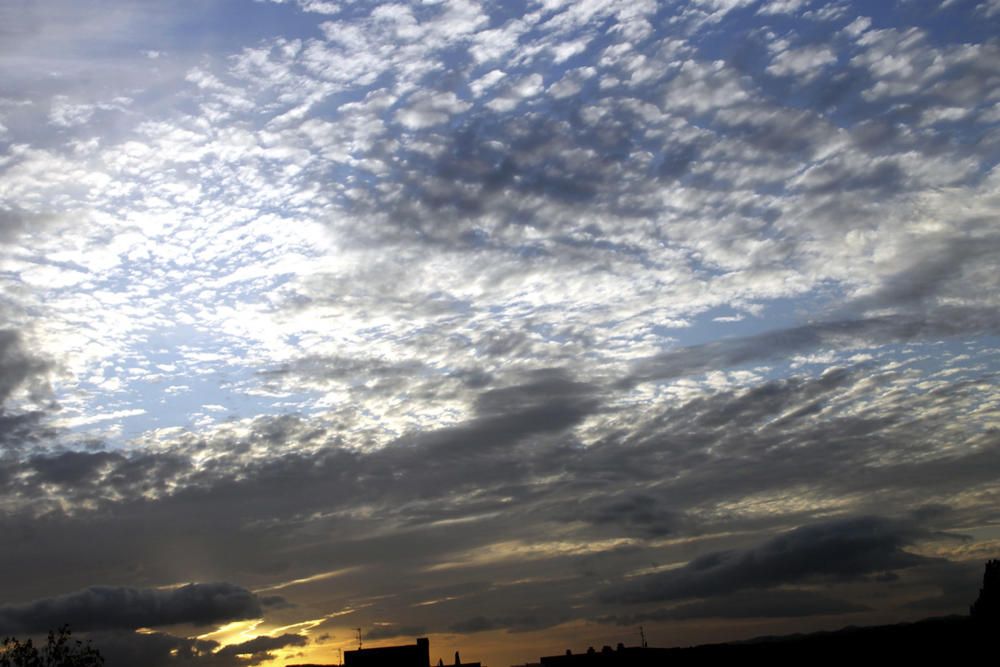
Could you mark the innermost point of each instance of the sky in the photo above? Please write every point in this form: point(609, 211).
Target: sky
point(516, 325)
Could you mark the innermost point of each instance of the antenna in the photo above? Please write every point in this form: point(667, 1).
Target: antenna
point(642, 636)
point(359, 638)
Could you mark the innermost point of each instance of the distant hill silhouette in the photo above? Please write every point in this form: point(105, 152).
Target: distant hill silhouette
point(943, 639)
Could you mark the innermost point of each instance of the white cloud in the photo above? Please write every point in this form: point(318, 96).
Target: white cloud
point(515, 91)
point(806, 62)
point(989, 7)
point(571, 83)
point(782, 6)
point(940, 114)
point(487, 81)
point(858, 26)
point(705, 86)
point(428, 109)
point(87, 420)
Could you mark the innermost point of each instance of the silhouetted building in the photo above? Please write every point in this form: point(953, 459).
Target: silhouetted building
point(607, 656)
point(459, 663)
point(949, 640)
point(987, 605)
point(410, 655)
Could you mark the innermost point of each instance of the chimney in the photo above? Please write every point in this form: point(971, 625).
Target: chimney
point(424, 647)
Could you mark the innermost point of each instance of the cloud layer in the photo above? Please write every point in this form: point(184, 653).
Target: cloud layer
point(839, 549)
point(468, 318)
point(123, 608)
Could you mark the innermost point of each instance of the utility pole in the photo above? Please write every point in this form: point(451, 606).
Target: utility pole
point(642, 637)
point(359, 638)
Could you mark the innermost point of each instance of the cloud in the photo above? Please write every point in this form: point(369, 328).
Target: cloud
point(806, 62)
point(155, 649)
point(489, 295)
point(390, 630)
point(517, 456)
point(775, 603)
point(840, 549)
point(631, 513)
point(430, 109)
point(549, 402)
point(526, 621)
point(275, 602)
point(17, 366)
point(15, 222)
point(781, 6)
point(260, 647)
point(160, 649)
point(498, 501)
point(942, 322)
point(938, 273)
point(73, 468)
point(107, 608)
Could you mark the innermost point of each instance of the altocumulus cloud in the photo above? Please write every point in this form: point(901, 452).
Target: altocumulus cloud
point(432, 315)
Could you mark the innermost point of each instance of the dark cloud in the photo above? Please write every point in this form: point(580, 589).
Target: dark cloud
point(526, 621)
point(549, 402)
point(632, 513)
point(940, 271)
point(15, 222)
point(17, 366)
point(786, 133)
point(476, 624)
point(515, 467)
point(94, 477)
point(408, 481)
point(73, 468)
point(20, 430)
point(885, 178)
point(107, 607)
point(275, 602)
point(389, 631)
point(513, 471)
point(20, 368)
point(159, 649)
point(542, 388)
point(841, 549)
point(775, 603)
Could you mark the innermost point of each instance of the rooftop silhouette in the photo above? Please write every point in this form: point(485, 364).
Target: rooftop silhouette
point(407, 655)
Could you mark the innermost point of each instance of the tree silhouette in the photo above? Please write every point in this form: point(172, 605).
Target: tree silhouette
point(987, 605)
point(59, 651)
